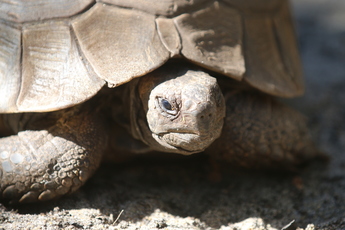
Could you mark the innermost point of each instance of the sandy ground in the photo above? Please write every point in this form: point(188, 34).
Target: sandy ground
point(179, 194)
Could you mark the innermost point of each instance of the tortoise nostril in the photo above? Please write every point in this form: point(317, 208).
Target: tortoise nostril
point(209, 115)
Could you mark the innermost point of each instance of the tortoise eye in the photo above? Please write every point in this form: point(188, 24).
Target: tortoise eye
point(167, 107)
point(166, 104)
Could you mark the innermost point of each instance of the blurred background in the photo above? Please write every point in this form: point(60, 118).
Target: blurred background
point(320, 27)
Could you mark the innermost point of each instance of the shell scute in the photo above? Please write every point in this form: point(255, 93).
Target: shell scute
point(215, 44)
point(272, 60)
point(119, 43)
point(33, 10)
point(53, 74)
point(10, 52)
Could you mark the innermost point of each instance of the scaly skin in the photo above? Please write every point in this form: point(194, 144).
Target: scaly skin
point(39, 165)
point(261, 132)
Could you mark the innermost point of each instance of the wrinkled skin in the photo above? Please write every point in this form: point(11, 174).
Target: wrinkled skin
point(184, 114)
point(176, 108)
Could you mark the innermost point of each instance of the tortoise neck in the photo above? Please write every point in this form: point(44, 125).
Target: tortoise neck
point(136, 112)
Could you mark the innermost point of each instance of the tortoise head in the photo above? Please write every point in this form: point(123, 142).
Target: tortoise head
point(184, 109)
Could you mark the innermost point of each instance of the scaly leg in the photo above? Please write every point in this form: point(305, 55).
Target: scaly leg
point(40, 163)
point(260, 132)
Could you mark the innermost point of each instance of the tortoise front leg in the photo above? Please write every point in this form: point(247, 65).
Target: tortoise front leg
point(260, 132)
point(39, 165)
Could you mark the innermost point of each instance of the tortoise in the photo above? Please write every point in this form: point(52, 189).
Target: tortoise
point(84, 80)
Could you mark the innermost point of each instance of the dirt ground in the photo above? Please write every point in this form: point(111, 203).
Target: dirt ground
point(179, 194)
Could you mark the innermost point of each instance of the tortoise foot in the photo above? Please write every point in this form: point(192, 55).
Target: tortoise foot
point(40, 165)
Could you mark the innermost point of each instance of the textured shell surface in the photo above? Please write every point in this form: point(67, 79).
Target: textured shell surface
point(58, 53)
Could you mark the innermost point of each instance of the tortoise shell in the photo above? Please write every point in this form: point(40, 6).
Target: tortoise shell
point(58, 53)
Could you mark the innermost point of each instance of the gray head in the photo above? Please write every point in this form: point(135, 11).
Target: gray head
point(184, 109)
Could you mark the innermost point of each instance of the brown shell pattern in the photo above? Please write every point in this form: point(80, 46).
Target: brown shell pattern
point(58, 53)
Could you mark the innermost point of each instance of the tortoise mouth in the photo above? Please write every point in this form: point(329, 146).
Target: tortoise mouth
point(187, 143)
